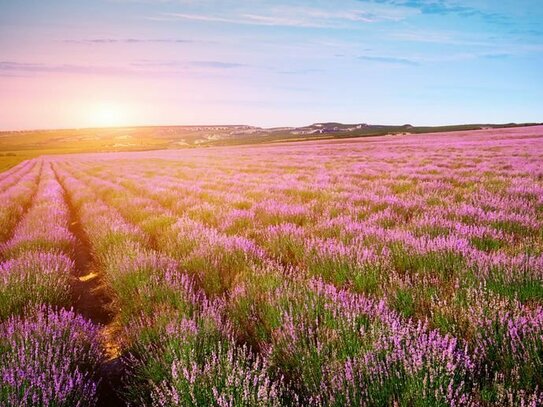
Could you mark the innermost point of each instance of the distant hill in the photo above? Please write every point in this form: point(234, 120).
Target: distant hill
point(16, 146)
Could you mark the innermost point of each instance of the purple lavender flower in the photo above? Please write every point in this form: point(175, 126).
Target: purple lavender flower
point(48, 358)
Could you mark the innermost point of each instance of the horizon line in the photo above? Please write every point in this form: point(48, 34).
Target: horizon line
point(23, 130)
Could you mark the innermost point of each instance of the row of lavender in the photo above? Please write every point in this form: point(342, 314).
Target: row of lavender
point(402, 271)
point(48, 353)
point(362, 274)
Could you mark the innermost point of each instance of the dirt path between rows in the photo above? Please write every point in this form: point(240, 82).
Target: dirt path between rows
point(92, 299)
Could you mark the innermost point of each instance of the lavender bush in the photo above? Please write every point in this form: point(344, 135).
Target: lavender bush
point(48, 359)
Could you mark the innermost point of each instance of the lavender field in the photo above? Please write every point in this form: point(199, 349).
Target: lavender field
point(385, 271)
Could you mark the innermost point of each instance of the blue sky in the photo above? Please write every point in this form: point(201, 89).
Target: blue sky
point(62, 63)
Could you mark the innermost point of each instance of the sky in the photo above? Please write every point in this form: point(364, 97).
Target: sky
point(73, 63)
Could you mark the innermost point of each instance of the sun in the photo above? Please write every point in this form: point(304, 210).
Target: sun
point(108, 114)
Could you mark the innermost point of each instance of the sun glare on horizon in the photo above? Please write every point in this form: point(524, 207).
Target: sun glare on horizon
point(109, 114)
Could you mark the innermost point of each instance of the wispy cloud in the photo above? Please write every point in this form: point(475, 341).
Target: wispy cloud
point(440, 37)
point(444, 7)
point(216, 64)
point(130, 41)
point(23, 67)
point(433, 59)
point(299, 71)
point(141, 67)
point(188, 64)
point(388, 60)
point(295, 16)
point(497, 56)
point(527, 32)
point(249, 19)
point(219, 65)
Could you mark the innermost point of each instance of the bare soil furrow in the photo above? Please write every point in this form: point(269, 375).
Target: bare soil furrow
point(92, 299)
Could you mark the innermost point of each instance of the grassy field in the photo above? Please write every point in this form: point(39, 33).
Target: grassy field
point(16, 147)
point(381, 271)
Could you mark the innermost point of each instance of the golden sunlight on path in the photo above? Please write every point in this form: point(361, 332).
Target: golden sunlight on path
point(88, 277)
